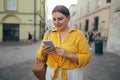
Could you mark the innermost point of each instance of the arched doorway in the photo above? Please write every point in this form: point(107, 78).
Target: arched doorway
point(11, 26)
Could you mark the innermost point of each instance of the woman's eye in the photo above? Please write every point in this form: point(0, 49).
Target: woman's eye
point(54, 19)
point(59, 19)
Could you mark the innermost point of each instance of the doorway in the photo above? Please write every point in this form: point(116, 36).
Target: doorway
point(10, 32)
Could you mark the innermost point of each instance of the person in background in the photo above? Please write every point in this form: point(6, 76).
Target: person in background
point(72, 50)
point(98, 36)
point(90, 39)
point(29, 38)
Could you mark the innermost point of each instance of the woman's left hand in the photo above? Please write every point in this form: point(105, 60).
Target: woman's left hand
point(61, 51)
point(66, 54)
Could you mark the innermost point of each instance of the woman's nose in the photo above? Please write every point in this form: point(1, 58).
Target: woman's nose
point(57, 21)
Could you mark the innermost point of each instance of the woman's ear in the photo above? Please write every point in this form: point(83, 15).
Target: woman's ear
point(68, 17)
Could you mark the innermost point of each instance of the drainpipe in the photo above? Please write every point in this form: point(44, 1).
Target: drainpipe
point(34, 20)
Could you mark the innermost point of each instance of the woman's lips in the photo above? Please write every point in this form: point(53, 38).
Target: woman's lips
point(58, 26)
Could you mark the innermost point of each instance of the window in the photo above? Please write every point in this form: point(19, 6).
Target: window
point(12, 5)
point(86, 25)
point(108, 1)
point(99, 3)
point(96, 22)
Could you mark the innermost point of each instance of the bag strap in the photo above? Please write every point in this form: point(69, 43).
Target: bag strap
point(49, 33)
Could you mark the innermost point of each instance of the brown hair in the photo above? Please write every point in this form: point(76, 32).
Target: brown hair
point(62, 9)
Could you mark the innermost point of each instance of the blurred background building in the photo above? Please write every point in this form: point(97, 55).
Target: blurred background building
point(18, 17)
point(73, 10)
point(100, 16)
point(93, 15)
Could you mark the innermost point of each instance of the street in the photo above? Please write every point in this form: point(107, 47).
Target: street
point(16, 62)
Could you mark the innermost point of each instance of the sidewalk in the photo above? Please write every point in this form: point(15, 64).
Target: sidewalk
point(101, 67)
point(16, 60)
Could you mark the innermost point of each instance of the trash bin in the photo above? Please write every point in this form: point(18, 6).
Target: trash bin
point(98, 46)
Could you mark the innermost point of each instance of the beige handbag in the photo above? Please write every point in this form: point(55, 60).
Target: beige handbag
point(39, 69)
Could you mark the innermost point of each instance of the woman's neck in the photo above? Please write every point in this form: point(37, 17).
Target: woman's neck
point(63, 33)
point(65, 30)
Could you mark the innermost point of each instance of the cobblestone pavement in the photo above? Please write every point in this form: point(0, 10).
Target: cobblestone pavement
point(101, 67)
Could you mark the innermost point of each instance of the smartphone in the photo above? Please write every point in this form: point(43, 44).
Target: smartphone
point(49, 42)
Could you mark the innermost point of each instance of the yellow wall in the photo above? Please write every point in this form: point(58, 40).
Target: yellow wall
point(1, 5)
point(25, 28)
point(26, 6)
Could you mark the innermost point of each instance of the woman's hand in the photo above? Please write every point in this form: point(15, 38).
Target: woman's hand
point(46, 50)
point(66, 54)
point(61, 51)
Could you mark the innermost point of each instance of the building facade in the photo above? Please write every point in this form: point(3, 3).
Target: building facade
point(113, 43)
point(18, 17)
point(93, 15)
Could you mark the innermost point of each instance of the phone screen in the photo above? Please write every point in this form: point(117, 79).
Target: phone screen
point(49, 42)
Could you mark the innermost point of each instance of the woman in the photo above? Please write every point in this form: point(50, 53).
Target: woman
point(72, 51)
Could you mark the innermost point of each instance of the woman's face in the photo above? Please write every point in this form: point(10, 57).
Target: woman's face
point(60, 21)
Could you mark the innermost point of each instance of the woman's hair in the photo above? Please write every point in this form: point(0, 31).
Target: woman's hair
point(62, 9)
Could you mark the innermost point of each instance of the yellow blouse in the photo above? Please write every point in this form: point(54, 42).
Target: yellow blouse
point(75, 42)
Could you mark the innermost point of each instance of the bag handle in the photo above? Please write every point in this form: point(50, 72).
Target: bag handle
point(49, 33)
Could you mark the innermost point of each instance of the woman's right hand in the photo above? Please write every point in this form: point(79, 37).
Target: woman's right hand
point(46, 50)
